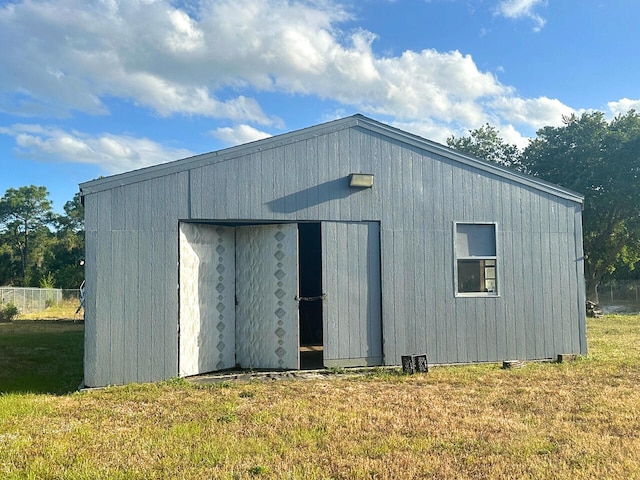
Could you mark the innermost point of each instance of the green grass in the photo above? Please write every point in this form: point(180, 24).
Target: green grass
point(40, 356)
point(578, 420)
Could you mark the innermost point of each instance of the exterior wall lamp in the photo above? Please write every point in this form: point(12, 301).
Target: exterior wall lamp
point(361, 180)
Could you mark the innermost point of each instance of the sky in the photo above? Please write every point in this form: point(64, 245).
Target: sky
point(90, 88)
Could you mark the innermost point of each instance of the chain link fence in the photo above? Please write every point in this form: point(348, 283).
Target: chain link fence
point(622, 297)
point(613, 297)
point(30, 300)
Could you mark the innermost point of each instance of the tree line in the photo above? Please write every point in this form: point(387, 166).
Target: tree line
point(597, 158)
point(39, 248)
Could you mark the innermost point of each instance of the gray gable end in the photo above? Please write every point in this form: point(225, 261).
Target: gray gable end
point(354, 121)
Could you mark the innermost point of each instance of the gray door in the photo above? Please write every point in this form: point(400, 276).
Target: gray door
point(207, 302)
point(352, 320)
point(267, 329)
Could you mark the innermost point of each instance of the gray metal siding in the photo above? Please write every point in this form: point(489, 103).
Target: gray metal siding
point(132, 278)
point(132, 240)
point(285, 183)
point(351, 279)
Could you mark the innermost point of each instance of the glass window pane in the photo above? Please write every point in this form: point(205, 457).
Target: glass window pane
point(469, 276)
point(476, 276)
point(473, 240)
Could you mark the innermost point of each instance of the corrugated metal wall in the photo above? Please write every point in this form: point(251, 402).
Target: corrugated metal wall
point(132, 250)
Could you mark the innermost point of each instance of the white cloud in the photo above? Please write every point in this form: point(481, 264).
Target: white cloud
point(623, 105)
point(212, 58)
point(85, 52)
point(533, 112)
point(112, 153)
point(511, 135)
point(176, 63)
point(517, 9)
point(238, 134)
point(447, 86)
point(428, 129)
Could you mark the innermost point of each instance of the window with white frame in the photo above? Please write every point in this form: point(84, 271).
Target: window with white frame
point(476, 259)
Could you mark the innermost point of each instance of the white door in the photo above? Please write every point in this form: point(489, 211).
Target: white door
point(207, 302)
point(267, 329)
point(352, 320)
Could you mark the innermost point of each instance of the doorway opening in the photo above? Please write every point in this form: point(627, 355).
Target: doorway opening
point(310, 294)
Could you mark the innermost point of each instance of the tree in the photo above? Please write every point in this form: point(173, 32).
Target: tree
point(73, 221)
point(68, 250)
point(38, 247)
point(25, 214)
point(485, 142)
point(9, 265)
point(602, 161)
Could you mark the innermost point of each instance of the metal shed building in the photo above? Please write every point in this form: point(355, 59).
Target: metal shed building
point(240, 256)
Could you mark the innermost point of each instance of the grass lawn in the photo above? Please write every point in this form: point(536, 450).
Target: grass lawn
point(40, 356)
point(543, 421)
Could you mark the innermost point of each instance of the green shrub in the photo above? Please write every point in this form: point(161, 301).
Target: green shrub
point(48, 281)
point(8, 312)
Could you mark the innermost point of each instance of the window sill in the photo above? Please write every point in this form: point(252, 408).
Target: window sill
point(477, 295)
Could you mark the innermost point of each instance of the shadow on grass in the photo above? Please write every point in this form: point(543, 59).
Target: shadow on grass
point(40, 356)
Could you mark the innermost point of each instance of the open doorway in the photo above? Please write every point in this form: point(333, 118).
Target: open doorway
point(310, 294)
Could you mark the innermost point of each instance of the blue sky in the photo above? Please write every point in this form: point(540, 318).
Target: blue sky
point(91, 88)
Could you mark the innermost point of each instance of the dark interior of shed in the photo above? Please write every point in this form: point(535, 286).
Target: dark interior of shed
point(310, 286)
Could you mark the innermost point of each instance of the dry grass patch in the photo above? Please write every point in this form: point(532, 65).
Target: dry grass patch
point(577, 420)
point(65, 310)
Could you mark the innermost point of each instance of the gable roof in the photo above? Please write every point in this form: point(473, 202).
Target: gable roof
point(356, 120)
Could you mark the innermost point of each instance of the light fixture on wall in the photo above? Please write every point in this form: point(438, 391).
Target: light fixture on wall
point(361, 180)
